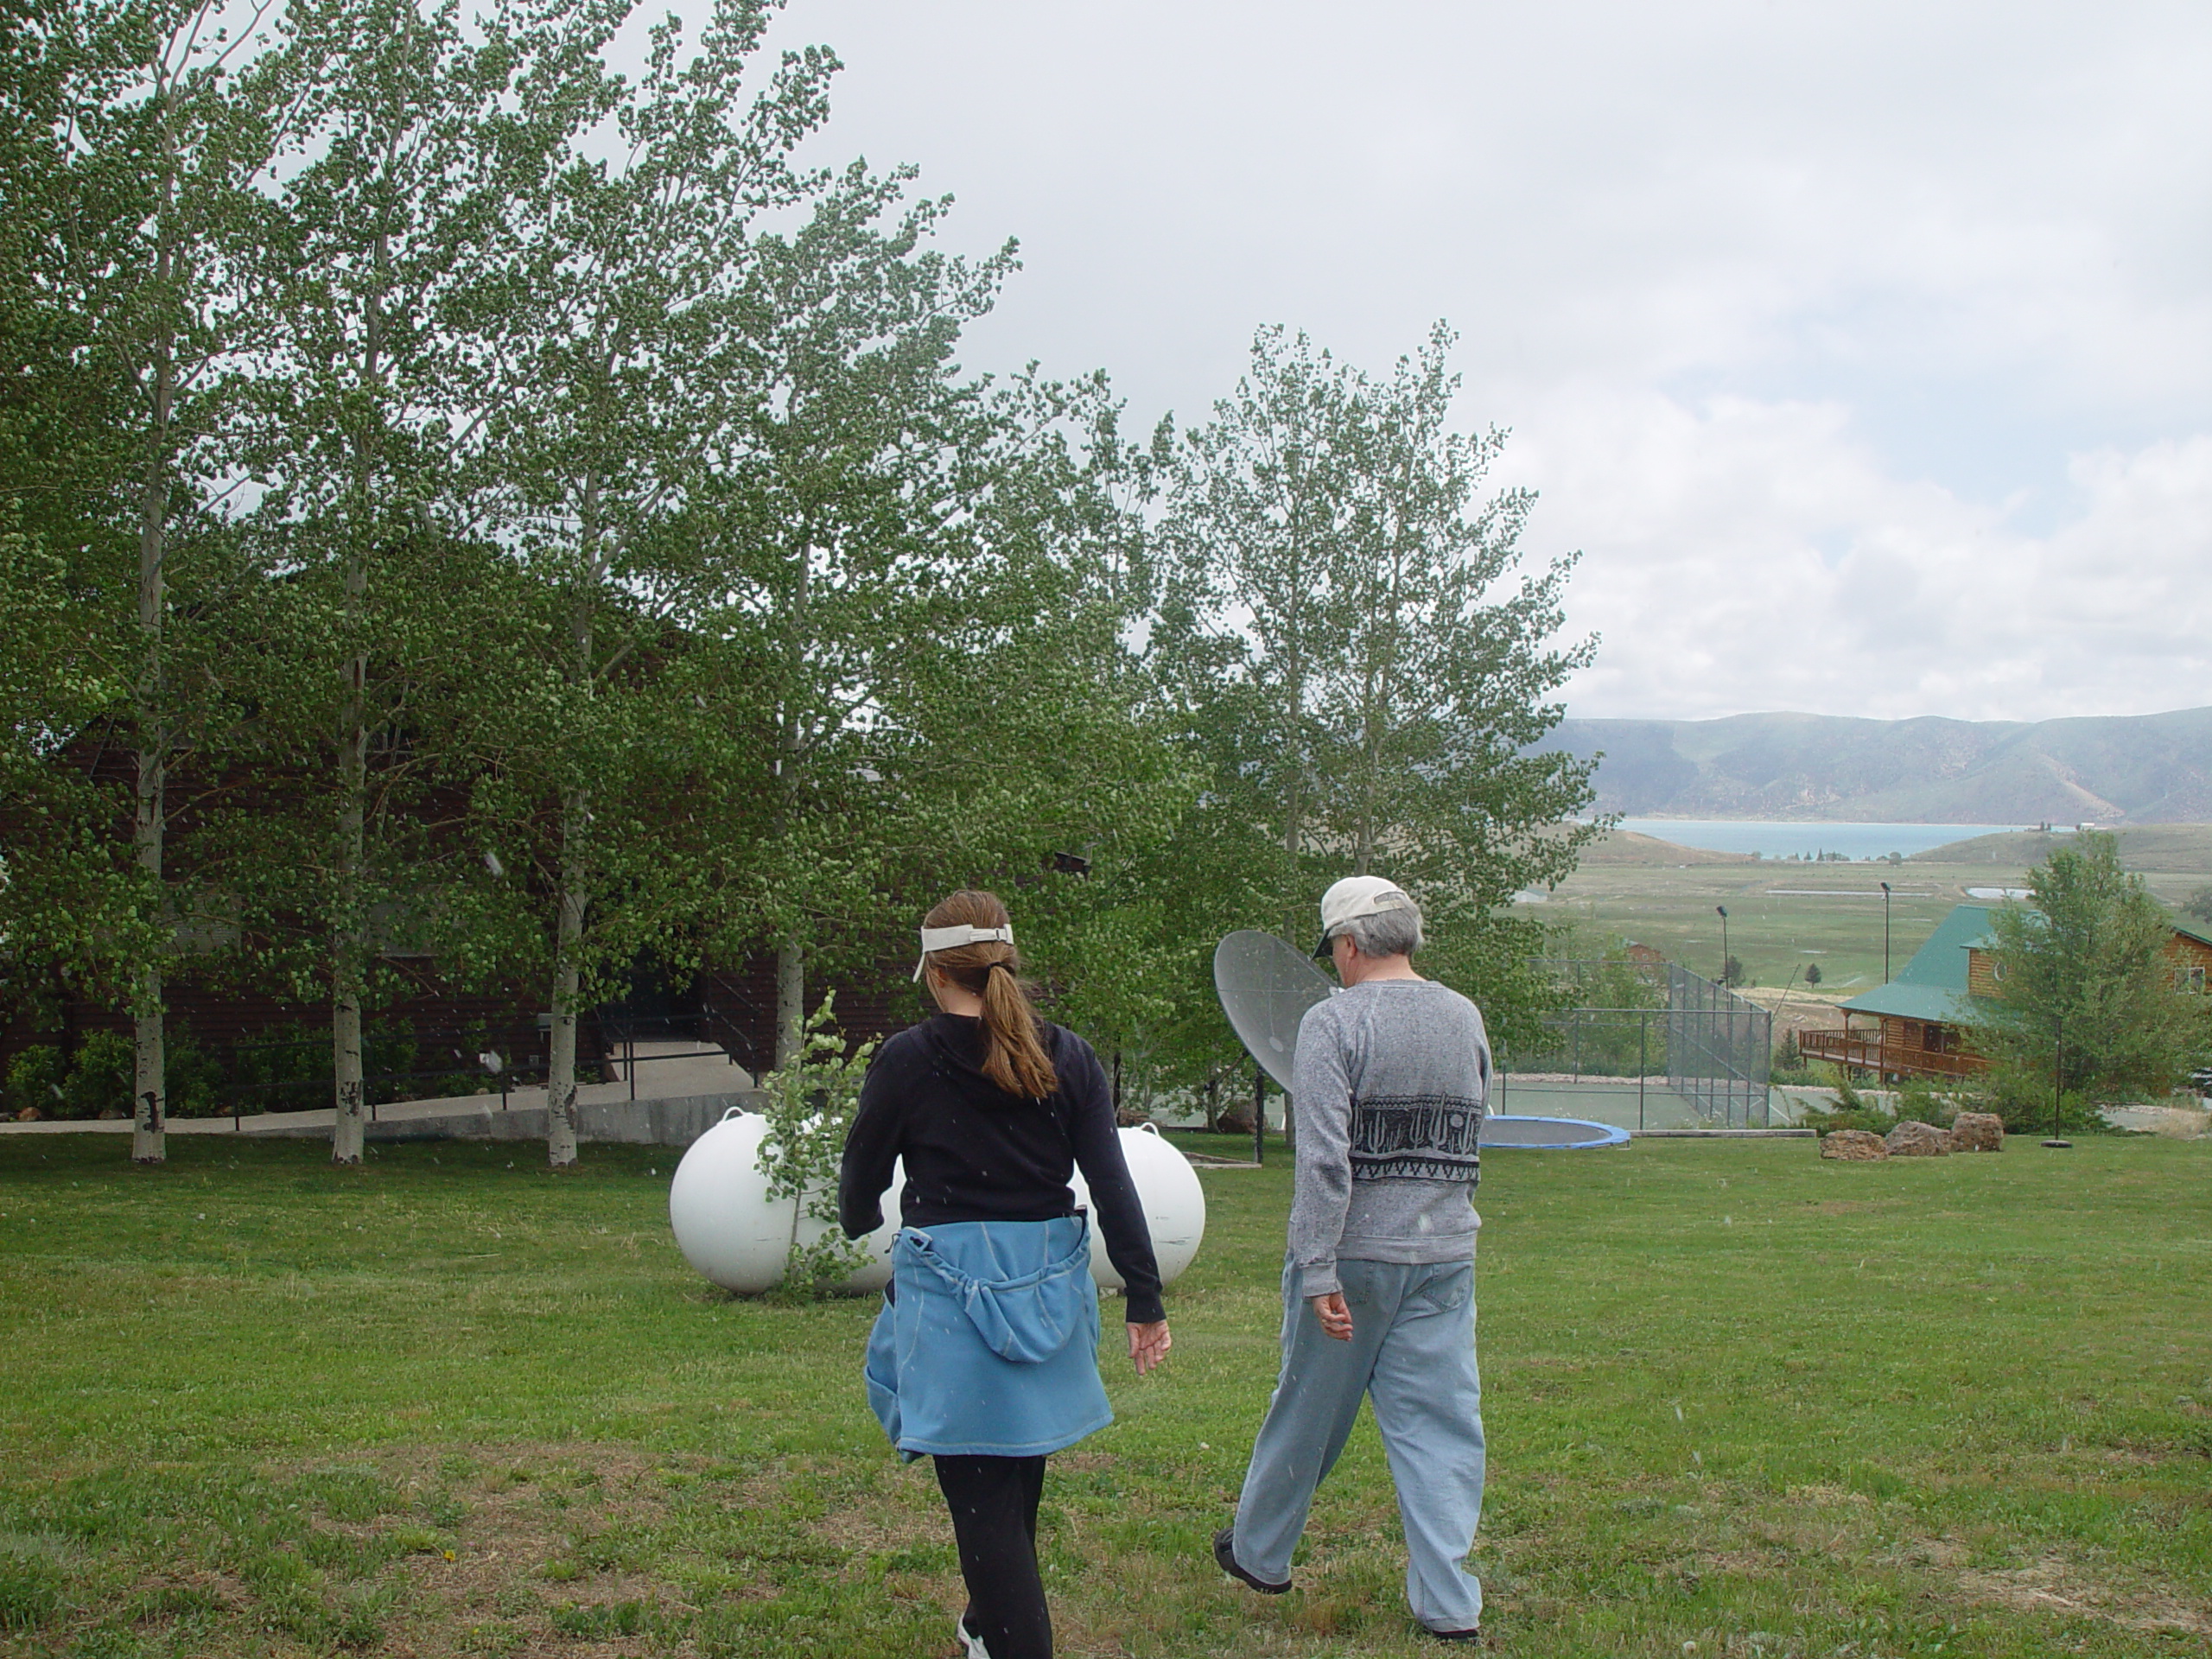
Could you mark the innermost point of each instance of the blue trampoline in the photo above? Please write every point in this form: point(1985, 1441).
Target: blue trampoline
point(1553, 1133)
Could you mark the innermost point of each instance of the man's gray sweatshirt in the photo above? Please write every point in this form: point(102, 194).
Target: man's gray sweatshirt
point(1391, 1085)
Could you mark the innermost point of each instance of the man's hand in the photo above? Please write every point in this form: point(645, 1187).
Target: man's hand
point(1335, 1314)
point(1148, 1344)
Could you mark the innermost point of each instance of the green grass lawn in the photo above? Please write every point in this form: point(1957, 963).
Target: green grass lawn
point(1780, 915)
point(1783, 916)
point(1739, 1401)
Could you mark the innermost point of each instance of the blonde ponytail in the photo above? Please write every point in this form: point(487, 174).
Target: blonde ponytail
point(1016, 1060)
point(1014, 1052)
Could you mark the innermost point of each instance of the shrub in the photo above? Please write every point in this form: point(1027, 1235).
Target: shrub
point(1918, 1099)
point(35, 1079)
point(1853, 1109)
point(192, 1078)
point(2022, 1098)
point(283, 1069)
point(809, 1106)
point(99, 1077)
point(1788, 1065)
point(289, 1069)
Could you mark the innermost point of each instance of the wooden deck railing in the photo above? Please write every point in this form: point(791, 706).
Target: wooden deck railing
point(1868, 1051)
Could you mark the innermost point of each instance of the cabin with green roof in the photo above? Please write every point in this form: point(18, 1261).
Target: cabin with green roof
point(1916, 1024)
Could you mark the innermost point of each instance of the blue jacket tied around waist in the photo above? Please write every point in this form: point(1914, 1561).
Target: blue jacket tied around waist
point(988, 1342)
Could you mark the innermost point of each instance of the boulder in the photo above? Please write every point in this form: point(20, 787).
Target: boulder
point(28, 1114)
point(1853, 1146)
point(1913, 1138)
point(1238, 1120)
point(1977, 1132)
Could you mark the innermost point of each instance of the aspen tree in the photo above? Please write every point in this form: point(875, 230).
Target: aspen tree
point(141, 140)
point(1356, 656)
point(629, 348)
point(427, 136)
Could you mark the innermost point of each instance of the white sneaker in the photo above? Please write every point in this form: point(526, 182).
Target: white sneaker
point(970, 1642)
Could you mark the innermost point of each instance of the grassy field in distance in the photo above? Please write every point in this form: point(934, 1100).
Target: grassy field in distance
point(1739, 1400)
point(1782, 915)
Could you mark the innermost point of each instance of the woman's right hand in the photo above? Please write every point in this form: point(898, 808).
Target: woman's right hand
point(1148, 1344)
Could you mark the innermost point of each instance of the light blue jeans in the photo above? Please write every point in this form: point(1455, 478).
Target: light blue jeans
point(1413, 1353)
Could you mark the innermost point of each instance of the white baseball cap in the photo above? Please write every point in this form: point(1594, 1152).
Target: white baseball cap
point(1354, 897)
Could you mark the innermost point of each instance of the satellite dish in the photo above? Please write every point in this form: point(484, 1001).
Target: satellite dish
point(1265, 987)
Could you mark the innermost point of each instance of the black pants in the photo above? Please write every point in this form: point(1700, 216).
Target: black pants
point(993, 1504)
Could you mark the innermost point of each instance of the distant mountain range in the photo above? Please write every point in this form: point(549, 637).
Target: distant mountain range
point(2107, 770)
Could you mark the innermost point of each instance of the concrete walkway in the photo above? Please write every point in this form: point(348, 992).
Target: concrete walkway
point(678, 1099)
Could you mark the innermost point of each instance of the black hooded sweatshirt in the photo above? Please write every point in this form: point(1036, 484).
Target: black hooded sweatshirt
point(975, 1153)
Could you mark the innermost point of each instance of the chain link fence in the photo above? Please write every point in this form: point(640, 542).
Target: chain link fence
point(1661, 1026)
point(1719, 1050)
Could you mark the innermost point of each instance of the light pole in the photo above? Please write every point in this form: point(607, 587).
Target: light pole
point(2057, 1082)
point(1885, 932)
point(1723, 909)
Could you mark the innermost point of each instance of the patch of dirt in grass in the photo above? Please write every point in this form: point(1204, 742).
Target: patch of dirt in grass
point(902, 1515)
point(1828, 1497)
point(1943, 1553)
point(2052, 1586)
point(506, 1584)
point(494, 1557)
point(1083, 1462)
point(526, 1578)
point(1736, 1564)
point(1841, 1524)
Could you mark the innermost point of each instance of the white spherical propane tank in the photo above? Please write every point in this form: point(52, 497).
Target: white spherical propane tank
point(719, 1208)
point(876, 1273)
point(1174, 1206)
point(735, 1235)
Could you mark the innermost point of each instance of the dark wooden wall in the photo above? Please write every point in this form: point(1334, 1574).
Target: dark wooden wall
point(733, 1006)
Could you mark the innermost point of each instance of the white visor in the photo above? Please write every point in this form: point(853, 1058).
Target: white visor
point(947, 939)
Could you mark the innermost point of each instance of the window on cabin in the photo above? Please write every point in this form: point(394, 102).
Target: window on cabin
point(2190, 980)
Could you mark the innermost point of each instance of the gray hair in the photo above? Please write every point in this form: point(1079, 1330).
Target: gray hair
point(1393, 932)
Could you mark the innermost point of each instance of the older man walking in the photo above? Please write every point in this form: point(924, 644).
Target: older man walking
point(1390, 1085)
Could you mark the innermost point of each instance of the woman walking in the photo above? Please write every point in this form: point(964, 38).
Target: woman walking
point(985, 1354)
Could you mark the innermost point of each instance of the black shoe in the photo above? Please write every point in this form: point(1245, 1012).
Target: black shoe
point(1225, 1551)
point(1472, 1633)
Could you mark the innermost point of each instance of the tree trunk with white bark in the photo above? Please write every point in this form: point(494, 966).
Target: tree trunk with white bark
point(349, 946)
point(149, 1088)
point(561, 1059)
point(790, 1003)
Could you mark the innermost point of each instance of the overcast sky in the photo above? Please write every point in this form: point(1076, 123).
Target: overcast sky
point(1864, 350)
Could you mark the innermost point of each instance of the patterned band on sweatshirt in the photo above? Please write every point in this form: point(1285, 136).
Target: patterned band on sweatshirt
point(1416, 1138)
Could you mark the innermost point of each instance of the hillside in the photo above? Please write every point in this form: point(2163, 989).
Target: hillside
point(2183, 849)
point(1625, 847)
point(2107, 770)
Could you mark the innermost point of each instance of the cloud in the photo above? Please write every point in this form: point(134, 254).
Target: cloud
point(1866, 351)
point(1745, 555)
